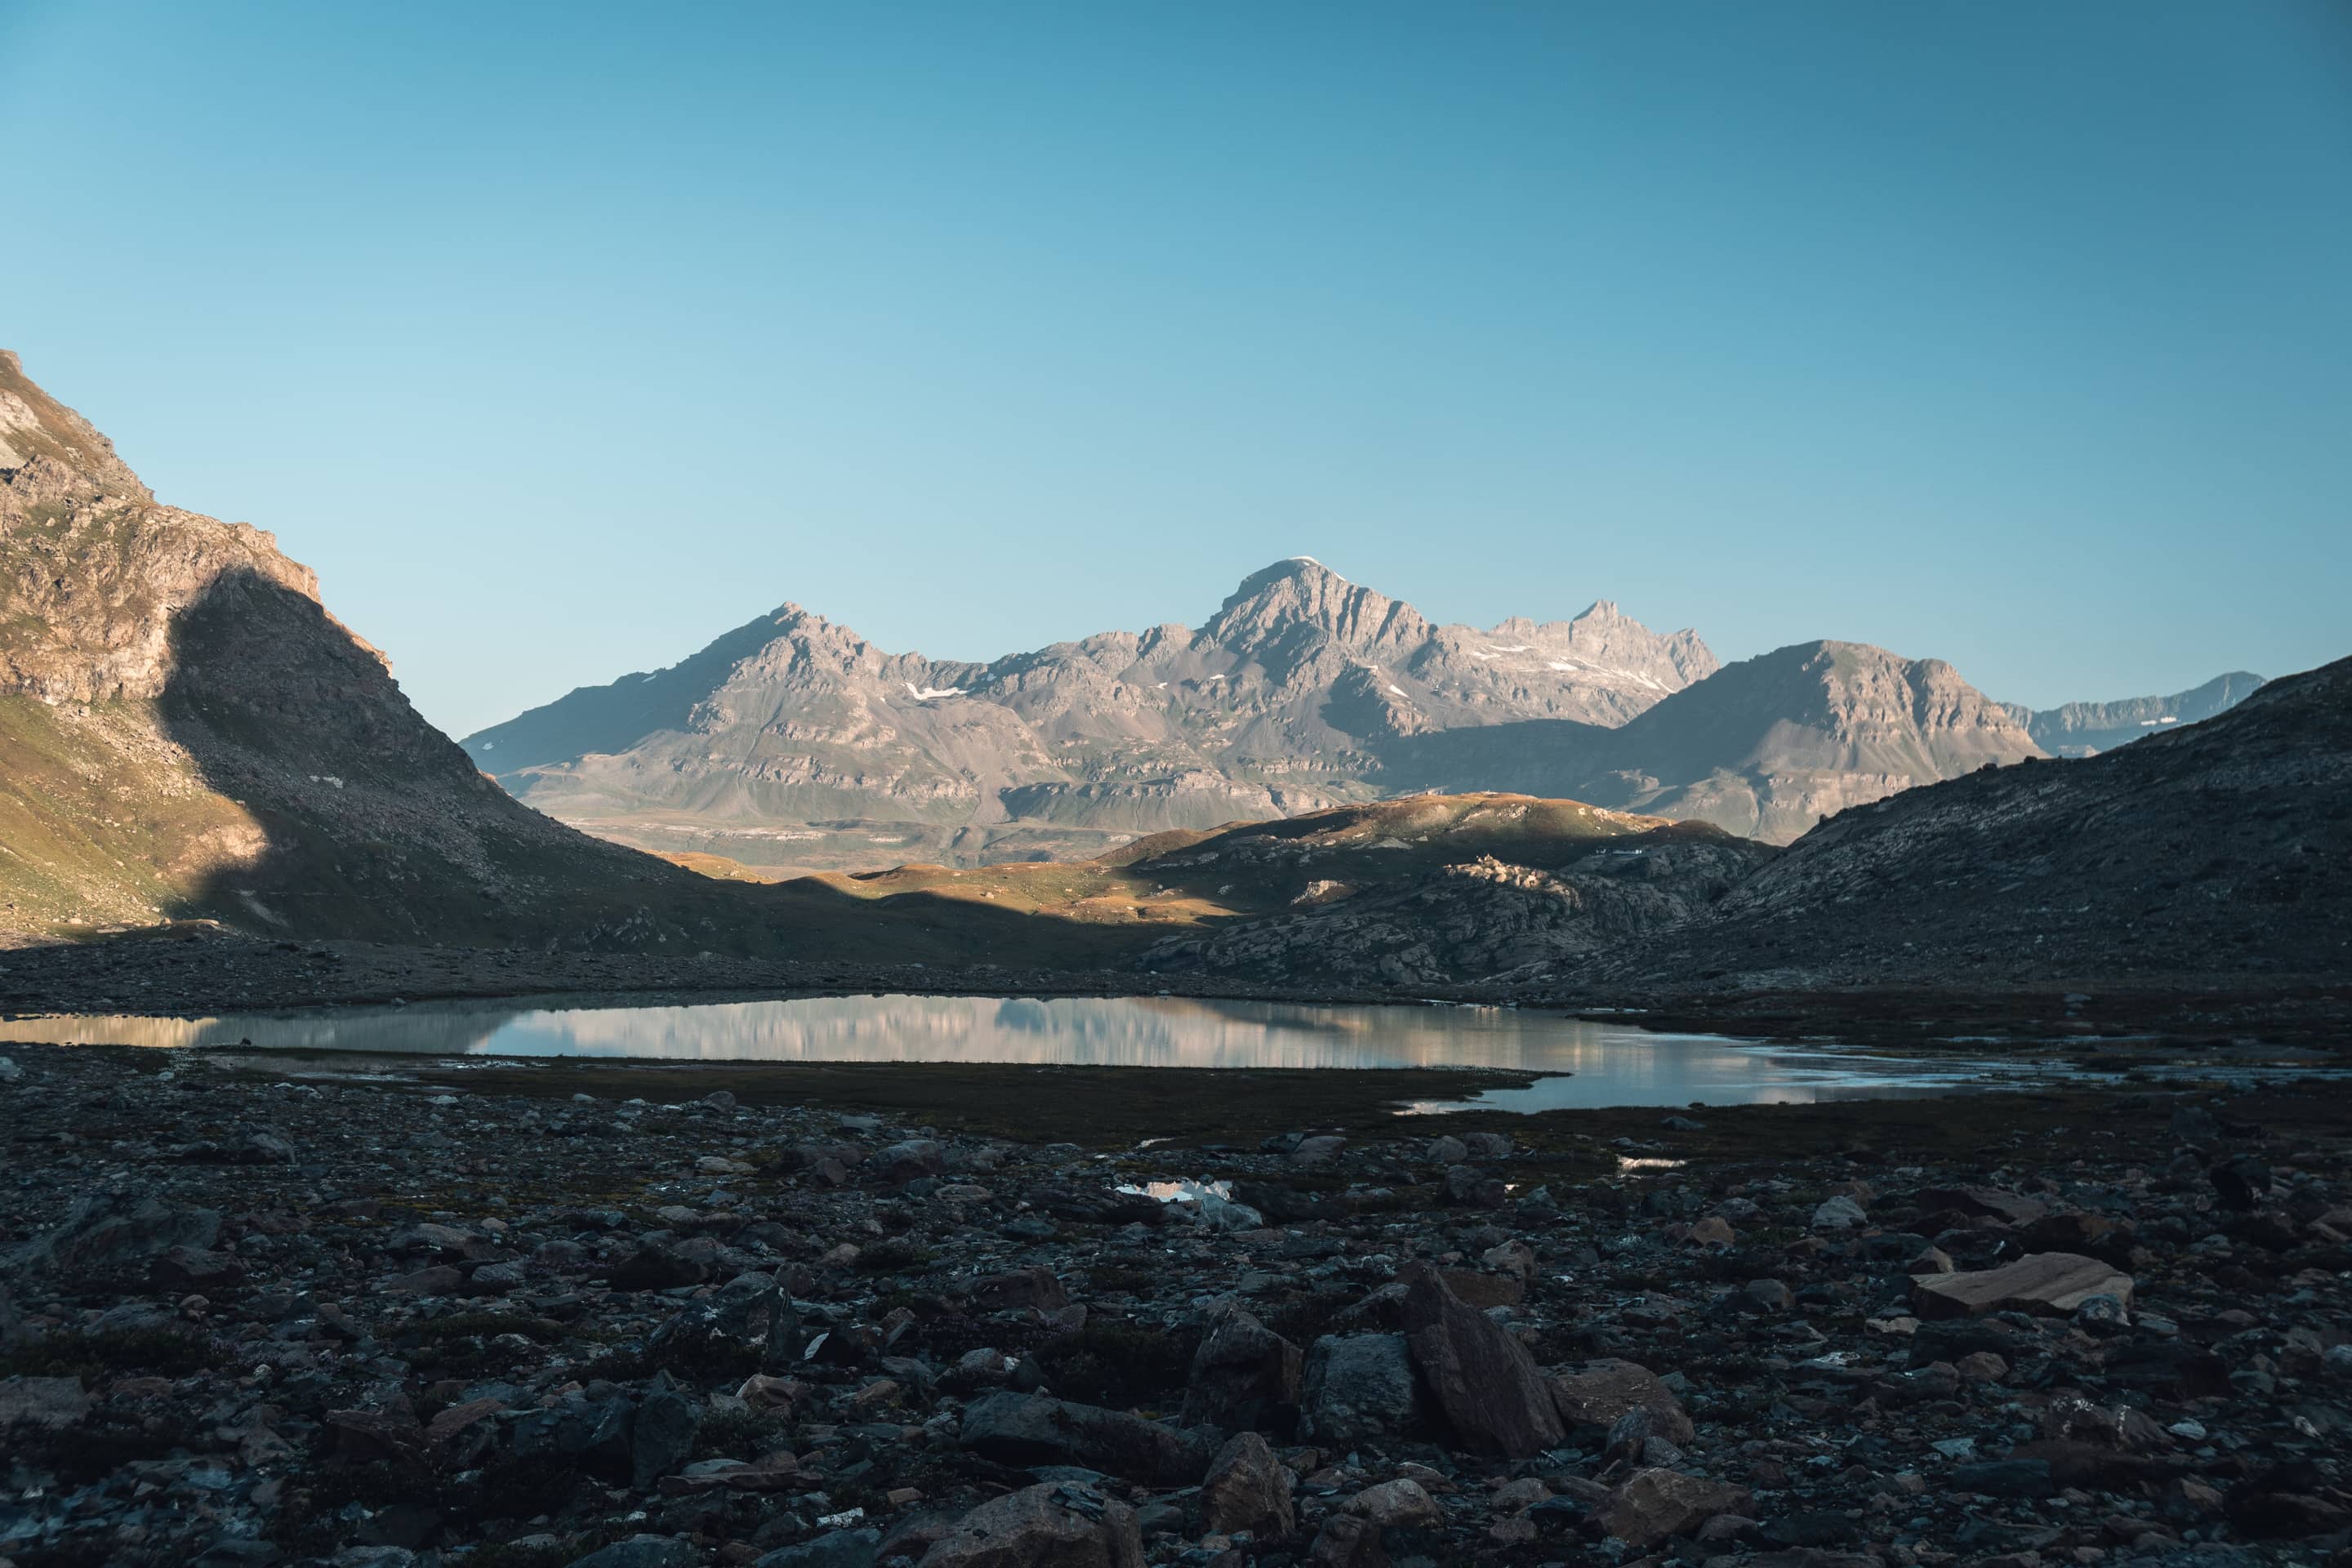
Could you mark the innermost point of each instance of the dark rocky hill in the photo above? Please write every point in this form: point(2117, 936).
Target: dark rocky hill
point(2220, 850)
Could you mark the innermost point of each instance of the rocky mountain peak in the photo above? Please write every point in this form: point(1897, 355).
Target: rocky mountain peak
point(48, 448)
point(1271, 607)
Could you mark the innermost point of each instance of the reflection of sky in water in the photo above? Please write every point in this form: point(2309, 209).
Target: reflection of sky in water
point(1613, 1064)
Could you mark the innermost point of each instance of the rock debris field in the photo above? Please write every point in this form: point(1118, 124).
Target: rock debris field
point(385, 1323)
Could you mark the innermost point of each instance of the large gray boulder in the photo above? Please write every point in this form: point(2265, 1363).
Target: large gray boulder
point(1483, 1382)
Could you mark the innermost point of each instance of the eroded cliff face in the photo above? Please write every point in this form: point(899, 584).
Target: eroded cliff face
point(93, 572)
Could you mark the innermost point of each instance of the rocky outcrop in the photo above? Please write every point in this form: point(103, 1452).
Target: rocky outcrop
point(1768, 747)
point(1484, 918)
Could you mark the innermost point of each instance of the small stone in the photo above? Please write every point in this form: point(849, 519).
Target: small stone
point(1393, 1504)
point(1839, 1213)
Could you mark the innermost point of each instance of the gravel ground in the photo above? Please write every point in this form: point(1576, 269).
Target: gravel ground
point(553, 1319)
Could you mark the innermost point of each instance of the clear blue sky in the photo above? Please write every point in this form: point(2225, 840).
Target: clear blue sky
point(561, 338)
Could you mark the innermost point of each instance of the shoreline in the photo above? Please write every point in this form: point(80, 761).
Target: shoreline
point(177, 971)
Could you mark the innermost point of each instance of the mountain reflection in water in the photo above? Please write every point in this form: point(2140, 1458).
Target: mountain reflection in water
point(1613, 1064)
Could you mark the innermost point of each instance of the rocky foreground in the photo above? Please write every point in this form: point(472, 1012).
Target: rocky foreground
point(250, 1322)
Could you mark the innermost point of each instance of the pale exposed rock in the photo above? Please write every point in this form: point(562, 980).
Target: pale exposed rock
point(2049, 1282)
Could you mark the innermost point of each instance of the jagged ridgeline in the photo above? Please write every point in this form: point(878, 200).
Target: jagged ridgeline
point(793, 741)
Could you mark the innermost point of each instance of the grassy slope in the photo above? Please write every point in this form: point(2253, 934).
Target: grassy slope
point(99, 823)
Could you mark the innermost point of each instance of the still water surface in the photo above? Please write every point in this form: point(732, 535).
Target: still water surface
point(1608, 1064)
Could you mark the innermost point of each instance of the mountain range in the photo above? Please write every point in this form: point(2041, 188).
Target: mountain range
point(792, 742)
point(186, 731)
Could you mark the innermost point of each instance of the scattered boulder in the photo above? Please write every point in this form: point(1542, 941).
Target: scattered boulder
point(1034, 1286)
point(118, 1235)
point(52, 1402)
point(1036, 1429)
point(1247, 1488)
point(1483, 1381)
point(1653, 1504)
point(1598, 1395)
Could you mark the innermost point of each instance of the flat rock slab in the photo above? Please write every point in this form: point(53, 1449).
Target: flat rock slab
point(42, 1401)
point(2052, 1283)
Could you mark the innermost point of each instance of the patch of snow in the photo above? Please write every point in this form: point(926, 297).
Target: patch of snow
point(1514, 647)
point(1398, 689)
point(925, 693)
point(1563, 664)
point(327, 779)
point(489, 746)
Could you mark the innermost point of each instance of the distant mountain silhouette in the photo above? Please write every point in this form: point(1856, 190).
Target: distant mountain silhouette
point(2086, 729)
